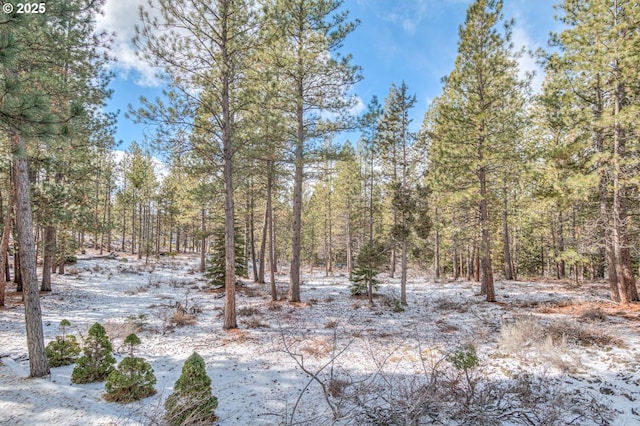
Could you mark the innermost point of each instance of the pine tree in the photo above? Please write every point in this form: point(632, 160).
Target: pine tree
point(318, 79)
point(215, 269)
point(133, 379)
point(96, 363)
point(395, 143)
point(64, 350)
point(598, 51)
point(216, 37)
point(192, 401)
point(370, 258)
point(482, 103)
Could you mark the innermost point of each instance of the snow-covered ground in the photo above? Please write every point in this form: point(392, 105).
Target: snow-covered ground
point(548, 352)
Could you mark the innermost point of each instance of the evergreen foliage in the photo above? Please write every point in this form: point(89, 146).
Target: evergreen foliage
point(370, 259)
point(215, 266)
point(97, 361)
point(133, 379)
point(192, 401)
point(64, 350)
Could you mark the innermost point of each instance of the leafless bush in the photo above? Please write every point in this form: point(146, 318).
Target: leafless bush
point(331, 324)
point(247, 311)
point(593, 315)
point(580, 335)
point(449, 305)
point(139, 289)
point(254, 323)
point(181, 318)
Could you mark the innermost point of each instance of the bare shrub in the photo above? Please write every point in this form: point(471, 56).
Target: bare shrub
point(580, 335)
point(118, 331)
point(247, 311)
point(519, 335)
point(331, 324)
point(254, 323)
point(274, 307)
point(593, 315)
point(181, 318)
point(449, 305)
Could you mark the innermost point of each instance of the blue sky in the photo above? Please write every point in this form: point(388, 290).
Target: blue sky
point(414, 41)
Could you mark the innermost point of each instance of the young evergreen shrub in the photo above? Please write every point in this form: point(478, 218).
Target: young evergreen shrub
point(64, 350)
point(215, 269)
point(133, 379)
point(369, 260)
point(97, 361)
point(192, 401)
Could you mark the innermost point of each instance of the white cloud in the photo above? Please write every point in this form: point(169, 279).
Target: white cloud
point(527, 62)
point(121, 17)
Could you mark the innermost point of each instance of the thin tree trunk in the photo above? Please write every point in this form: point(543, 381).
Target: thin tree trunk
point(38, 365)
point(266, 224)
point(272, 252)
point(508, 265)
point(204, 241)
point(296, 243)
point(49, 252)
point(252, 236)
point(227, 154)
point(4, 245)
point(485, 244)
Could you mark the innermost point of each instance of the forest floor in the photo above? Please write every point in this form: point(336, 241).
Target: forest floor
point(547, 352)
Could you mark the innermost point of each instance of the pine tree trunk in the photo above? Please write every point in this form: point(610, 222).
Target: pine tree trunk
point(227, 155)
point(4, 244)
point(252, 236)
point(272, 253)
point(437, 254)
point(204, 241)
point(296, 243)
point(508, 265)
point(266, 225)
point(627, 290)
point(38, 365)
point(485, 244)
point(47, 260)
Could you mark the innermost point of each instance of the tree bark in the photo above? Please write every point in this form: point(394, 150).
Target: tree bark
point(487, 286)
point(49, 253)
point(38, 365)
point(508, 265)
point(4, 245)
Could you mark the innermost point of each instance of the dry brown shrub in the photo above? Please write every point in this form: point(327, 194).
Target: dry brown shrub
point(316, 347)
point(274, 307)
point(580, 335)
point(181, 318)
point(247, 311)
point(254, 323)
point(449, 305)
point(331, 324)
point(593, 314)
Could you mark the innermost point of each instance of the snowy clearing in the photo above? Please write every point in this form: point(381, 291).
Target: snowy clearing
point(548, 352)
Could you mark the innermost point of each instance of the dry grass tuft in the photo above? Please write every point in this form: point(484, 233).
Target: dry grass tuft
point(254, 323)
point(316, 347)
point(593, 315)
point(181, 318)
point(331, 324)
point(449, 305)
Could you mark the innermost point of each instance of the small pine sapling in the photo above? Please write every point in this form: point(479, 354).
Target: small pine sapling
point(133, 379)
point(64, 350)
point(215, 268)
point(97, 361)
point(192, 401)
point(369, 260)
